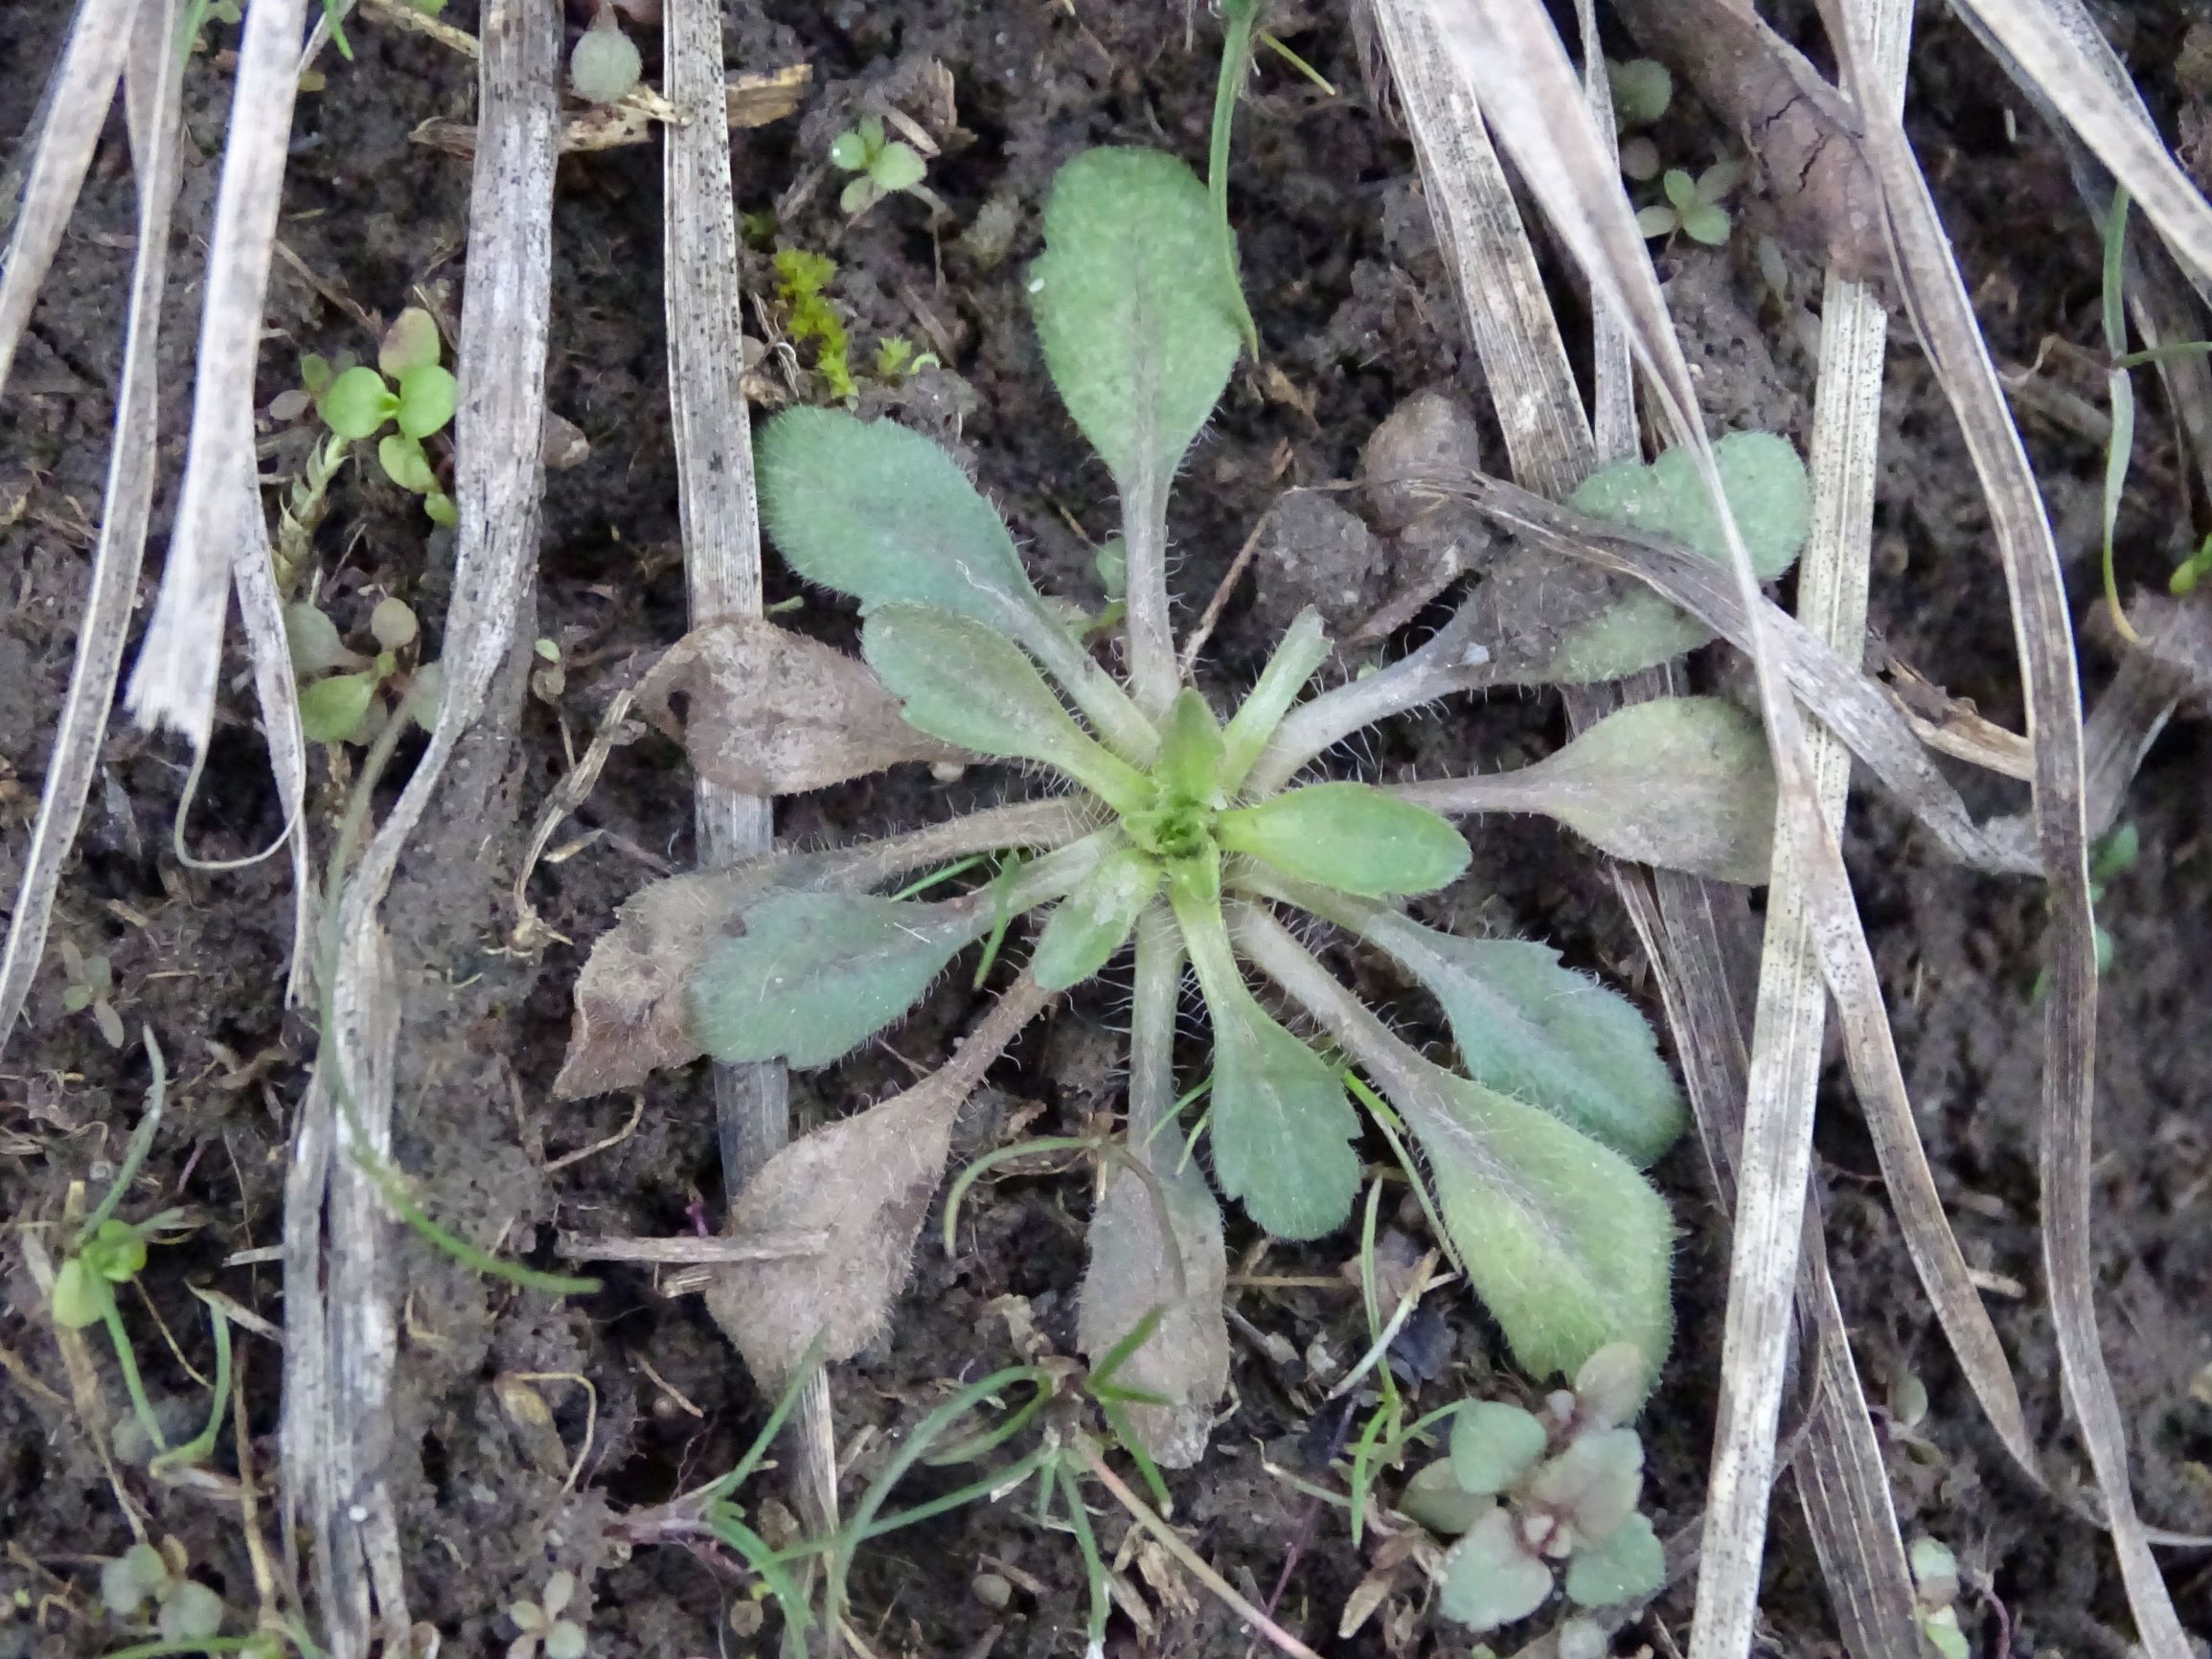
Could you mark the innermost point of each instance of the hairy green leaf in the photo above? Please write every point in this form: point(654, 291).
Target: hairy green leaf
point(1489, 1577)
point(1493, 1445)
point(877, 511)
point(1189, 762)
point(1686, 783)
point(815, 975)
point(1133, 307)
point(1282, 1124)
point(1095, 920)
point(1564, 1242)
point(1627, 1565)
point(1771, 497)
point(1348, 836)
point(967, 684)
point(1303, 649)
point(1527, 1027)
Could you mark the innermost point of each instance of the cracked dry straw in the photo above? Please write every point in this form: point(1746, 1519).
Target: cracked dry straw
point(1841, 1481)
point(153, 103)
point(722, 532)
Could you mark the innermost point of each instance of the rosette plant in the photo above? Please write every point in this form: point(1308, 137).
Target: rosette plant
point(1190, 834)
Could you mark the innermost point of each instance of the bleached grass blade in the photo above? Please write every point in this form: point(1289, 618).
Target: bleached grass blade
point(721, 532)
point(1937, 298)
point(76, 108)
point(174, 682)
point(498, 476)
point(154, 105)
point(1538, 111)
point(2058, 49)
point(1841, 1480)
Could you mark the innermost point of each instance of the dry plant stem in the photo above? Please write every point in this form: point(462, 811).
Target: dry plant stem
point(173, 683)
point(156, 78)
point(1936, 296)
point(497, 473)
point(689, 1251)
point(1171, 1541)
point(74, 110)
point(1685, 923)
point(721, 531)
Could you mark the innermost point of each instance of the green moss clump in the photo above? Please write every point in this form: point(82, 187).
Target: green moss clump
point(801, 277)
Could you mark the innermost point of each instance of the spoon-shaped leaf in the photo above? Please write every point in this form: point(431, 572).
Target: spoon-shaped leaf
point(871, 510)
point(815, 975)
point(967, 684)
point(1282, 1125)
point(1563, 1240)
point(1348, 836)
point(1134, 309)
point(1529, 1027)
point(1682, 782)
point(1095, 920)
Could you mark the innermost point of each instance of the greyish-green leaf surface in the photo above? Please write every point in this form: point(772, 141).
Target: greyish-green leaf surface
point(1493, 1445)
point(1282, 1125)
point(966, 683)
point(1132, 308)
point(1489, 1577)
point(815, 975)
point(1527, 1027)
point(1771, 497)
point(1627, 1565)
point(1095, 920)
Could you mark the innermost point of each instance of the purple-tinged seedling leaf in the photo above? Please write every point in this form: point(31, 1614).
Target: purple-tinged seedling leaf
point(1594, 1483)
point(1627, 1565)
point(411, 342)
point(1609, 1385)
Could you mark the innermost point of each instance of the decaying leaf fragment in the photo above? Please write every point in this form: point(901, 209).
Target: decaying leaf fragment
point(866, 1181)
point(768, 712)
point(1137, 1265)
point(1685, 783)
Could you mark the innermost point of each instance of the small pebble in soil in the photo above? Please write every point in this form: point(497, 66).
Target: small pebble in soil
point(991, 1590)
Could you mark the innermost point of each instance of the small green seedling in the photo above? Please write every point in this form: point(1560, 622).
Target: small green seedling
point(409, 389)
point(542, 1624)
point(92, 986)
point(884, 165)
point(145, 1579)
point(345, 695)
point(1642, 91)
point(1530, 1494)
point(810, 319)
point(897, 357)
point(107, 1252)
point(605, 66)
point(1935, 1588)
point(1693, 205)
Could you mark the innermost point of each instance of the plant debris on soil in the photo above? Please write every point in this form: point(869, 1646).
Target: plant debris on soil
point(529, 1432)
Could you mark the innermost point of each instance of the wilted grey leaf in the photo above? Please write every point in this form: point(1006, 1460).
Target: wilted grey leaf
point(866, 1181)
point(1680, 781)
point(769, 712)
point(1137, 1265)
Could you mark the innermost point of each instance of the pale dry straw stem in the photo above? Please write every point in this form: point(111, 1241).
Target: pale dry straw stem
point(154, 104)
point(1539, 116)
point(1936, 295)
point(721, 531)
point(1685, 923)
point(173, 683)
point(71, 114)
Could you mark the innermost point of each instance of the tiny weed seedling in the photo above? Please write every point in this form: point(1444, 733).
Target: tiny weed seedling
point(108, 1252)
point(543, 1626)
point(343, 693)
point(810, 319)
point(881, 165)
point(409, 389)
point(92, 986)
point(146, 1580)
point(605, 66)
point(1693, 205)
point(1539, 1498)
point(1642, 92)
point(1935, 1587)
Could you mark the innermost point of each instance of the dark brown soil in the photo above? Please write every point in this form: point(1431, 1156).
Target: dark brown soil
point(1355, 314)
